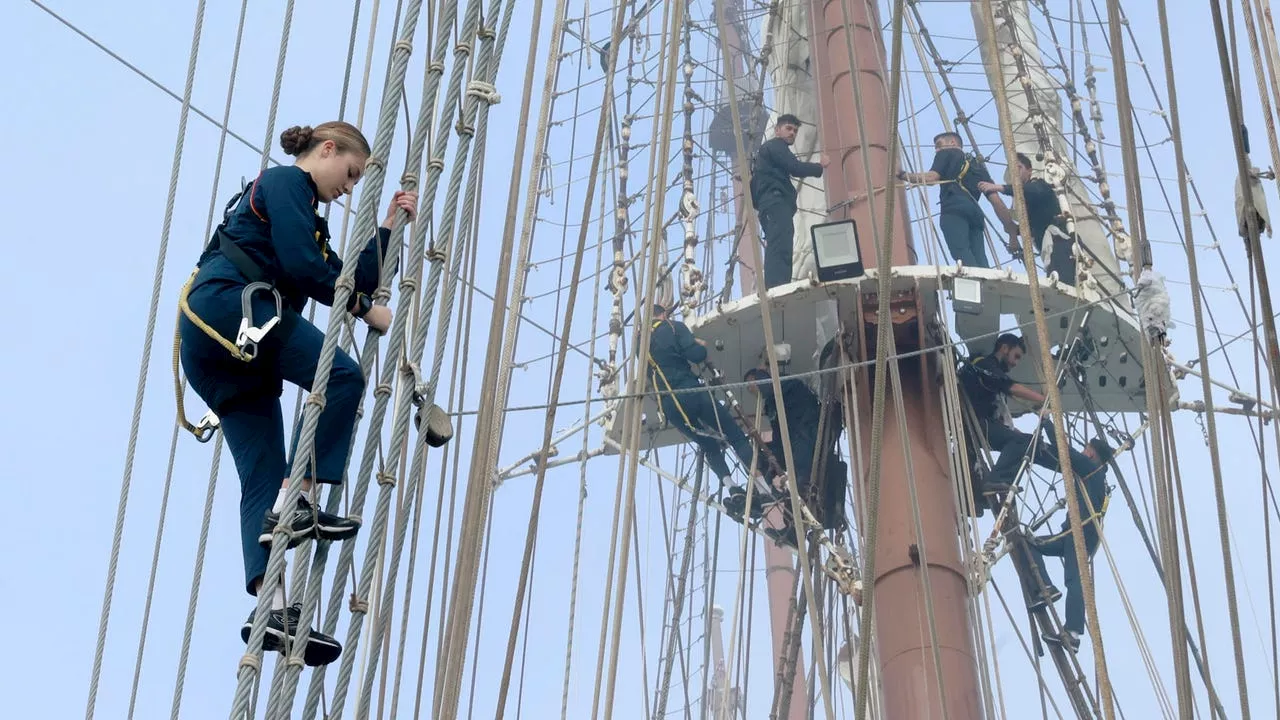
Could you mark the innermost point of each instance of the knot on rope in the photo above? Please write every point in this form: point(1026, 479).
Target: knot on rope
point(402, 45)
point(409, 178)
point(316, 399)
point(383, 294)
point(436, 164)
point(358, 606)
point(253, 662)
point(386, 479)
point(436, 67)
point(347, 283)
point(295, 662)
point(463, 47)
point(408, 285)
point(463, 129)
point(435, 254)
point(485, 33)
point(356, 518)
point(374, 162)
point(484, 91)
point(382, 390)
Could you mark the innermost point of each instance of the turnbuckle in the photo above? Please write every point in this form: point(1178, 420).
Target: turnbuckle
point(249, 336)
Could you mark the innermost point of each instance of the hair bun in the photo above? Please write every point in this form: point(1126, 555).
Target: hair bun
point(296, 139)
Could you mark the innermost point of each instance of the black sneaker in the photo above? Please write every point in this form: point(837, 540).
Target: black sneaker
point(307, 522)
point(1050, 596)
point(1068, 640)
point(783, 537)
point(321, 649)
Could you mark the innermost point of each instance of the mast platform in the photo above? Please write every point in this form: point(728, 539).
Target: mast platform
point(807, 315)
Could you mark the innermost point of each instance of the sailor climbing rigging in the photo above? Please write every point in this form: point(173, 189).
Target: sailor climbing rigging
point(960, 216)
point(1044, 213)
point(813, 444)
point(270, 255)
point(673, 351)
point(987, 385)
point(1090, 471)
point(774, 197)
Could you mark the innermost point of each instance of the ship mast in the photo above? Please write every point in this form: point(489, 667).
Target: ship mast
point(848, 61)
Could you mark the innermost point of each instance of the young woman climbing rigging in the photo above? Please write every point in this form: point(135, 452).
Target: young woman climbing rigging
point(270, 255)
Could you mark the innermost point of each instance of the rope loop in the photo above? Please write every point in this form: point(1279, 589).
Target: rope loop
point(403, 46)
point(252, 662)
point(356, 605)
point(386, 479)
point(316, 399)
point(486, 92)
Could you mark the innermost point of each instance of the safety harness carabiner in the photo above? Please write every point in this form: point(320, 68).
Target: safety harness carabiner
point(249, 336)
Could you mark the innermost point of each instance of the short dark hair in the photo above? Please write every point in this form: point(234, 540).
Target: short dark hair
point(1024, 161)
point(1103, 449)
point(788, 119)
point(1010, 340)
point(946, 134)
point(756, 373)
point(659, 309)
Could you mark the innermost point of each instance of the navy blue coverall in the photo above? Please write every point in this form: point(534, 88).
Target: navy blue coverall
point(960, 217)
point(1093, 475)
point(1043, 212)
point(984, 378)
point(774, 196)
point(697, 415)
point(276, 225)
point(810, 451)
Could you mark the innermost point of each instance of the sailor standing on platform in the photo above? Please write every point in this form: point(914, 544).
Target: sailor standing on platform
point(1090, 469)
point(774, 197)
point(673, 350)
point(1044, 212)
point(986, 383)
point(960, 216)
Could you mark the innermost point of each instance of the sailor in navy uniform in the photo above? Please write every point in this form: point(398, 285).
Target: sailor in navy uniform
point(270, 255)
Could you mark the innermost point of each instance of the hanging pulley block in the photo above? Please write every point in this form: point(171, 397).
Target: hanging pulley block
point(437, 429)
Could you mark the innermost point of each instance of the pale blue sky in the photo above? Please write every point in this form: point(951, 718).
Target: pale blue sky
point(91, 146)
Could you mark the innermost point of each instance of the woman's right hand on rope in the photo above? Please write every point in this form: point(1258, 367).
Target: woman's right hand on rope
point(378, 318)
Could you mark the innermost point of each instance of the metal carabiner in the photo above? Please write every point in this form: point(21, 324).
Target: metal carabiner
point(249, 336)
point(207, 426)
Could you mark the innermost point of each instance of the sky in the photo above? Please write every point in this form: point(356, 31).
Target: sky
point(92, 151)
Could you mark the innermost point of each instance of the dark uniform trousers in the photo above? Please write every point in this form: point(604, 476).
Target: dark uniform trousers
point(704, 420)
point(777, 222)
point(252, 420)
point(1012, 445)
point(1063, 545)
point(962, 227)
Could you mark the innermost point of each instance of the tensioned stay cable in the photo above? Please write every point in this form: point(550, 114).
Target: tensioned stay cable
point(144, 365)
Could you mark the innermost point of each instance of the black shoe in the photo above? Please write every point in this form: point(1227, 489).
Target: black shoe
point(996, 488)
point(321, 649)
point(735, 503)
point(1068, 640)
point(1050, 596)
point(784, 537)
point(307, 522)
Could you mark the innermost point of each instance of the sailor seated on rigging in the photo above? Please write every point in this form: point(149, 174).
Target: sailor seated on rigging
point(1044, 212)
point(673, 351)
point(774, 197)
point(268, 257)
point(1092, 496)
point(813, 444)
point(987, 385)
point(959, 215)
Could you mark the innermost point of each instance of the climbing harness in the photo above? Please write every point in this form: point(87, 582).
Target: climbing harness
point(249, 335)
